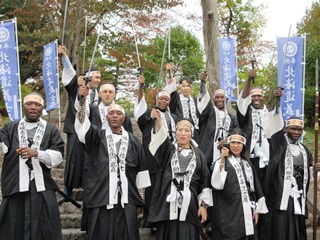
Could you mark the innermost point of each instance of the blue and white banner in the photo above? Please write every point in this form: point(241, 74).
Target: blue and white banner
point(9, 69)
point(228, 68)
point(290, 75)
point(51, 76)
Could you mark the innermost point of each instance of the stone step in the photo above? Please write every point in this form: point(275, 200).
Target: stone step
point(70, 220)
point(62, 165)
point(69, 208)
point(73, 234)
point(57, 173)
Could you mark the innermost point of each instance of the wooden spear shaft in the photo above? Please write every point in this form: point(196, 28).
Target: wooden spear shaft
point(316, 132)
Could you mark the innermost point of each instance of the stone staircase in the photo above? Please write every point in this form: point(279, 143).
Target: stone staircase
point(70, 215)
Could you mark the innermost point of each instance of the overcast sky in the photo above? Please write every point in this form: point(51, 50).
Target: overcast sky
point(281, 14)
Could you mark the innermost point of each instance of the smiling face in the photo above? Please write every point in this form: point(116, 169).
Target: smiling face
point(257, 101)
point(294, 132)
point(32, 111)
point(163, 102)
point(219, 100)
point(236, 148)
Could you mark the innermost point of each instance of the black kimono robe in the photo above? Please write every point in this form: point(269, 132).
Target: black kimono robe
point(228, 213)
point(118, 222)
point(75, 152)
point(284, 224)
point(169, 227)
point(29, 214)
point(207, 130)
point(146, 124)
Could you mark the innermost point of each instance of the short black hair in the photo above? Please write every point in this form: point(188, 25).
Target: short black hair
point(185, 78)
point(93, 69)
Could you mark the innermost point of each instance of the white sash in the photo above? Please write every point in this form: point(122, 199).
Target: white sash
point(166, 127)
point(174, 195)
point(220, 124)
point(290, 188)
point(222, 129)
point(257, 126)
point(246, 203)
point(114, 167)
point(185, 108)
point(24, 179)
point(103, 109)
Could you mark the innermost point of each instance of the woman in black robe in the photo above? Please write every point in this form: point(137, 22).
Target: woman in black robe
point(181, 192)
point(237, 195)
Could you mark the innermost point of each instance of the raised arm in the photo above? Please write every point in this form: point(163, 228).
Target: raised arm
point(82, 122)
point(141, 83)
point(68, 72)
point(246, 90)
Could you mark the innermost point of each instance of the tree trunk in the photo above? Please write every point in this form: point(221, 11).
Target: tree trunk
point(210, 35)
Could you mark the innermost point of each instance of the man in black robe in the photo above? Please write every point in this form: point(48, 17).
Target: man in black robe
point(287, 180)
point(214, 122)
point(182, 104)
point(115, 172)
point(74, 168)
point(252, 116)
point(98, 117)
point(31, 147)
point(146, 125)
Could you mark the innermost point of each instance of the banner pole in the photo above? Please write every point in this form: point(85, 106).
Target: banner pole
point(58, 86)
point(18, 66)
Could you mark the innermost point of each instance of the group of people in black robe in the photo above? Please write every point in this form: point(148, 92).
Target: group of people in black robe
point(246, 174)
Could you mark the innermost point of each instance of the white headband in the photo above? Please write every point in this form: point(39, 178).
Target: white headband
point(219, 91)
point(294, 122)
point(236, 138)
point(107, 86)
point(116, 107)
point(33, 98)
point(257, 91)
point(164, 93)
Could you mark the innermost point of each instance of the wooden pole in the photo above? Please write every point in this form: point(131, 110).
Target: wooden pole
point(316, 132)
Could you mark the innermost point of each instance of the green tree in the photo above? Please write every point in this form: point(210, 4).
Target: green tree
point(310, 26)
point(42, 21)
point(185, 52)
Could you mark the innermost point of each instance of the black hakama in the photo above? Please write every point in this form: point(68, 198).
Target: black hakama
point(116, 223)
point(30, 215)
point(75, 152)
